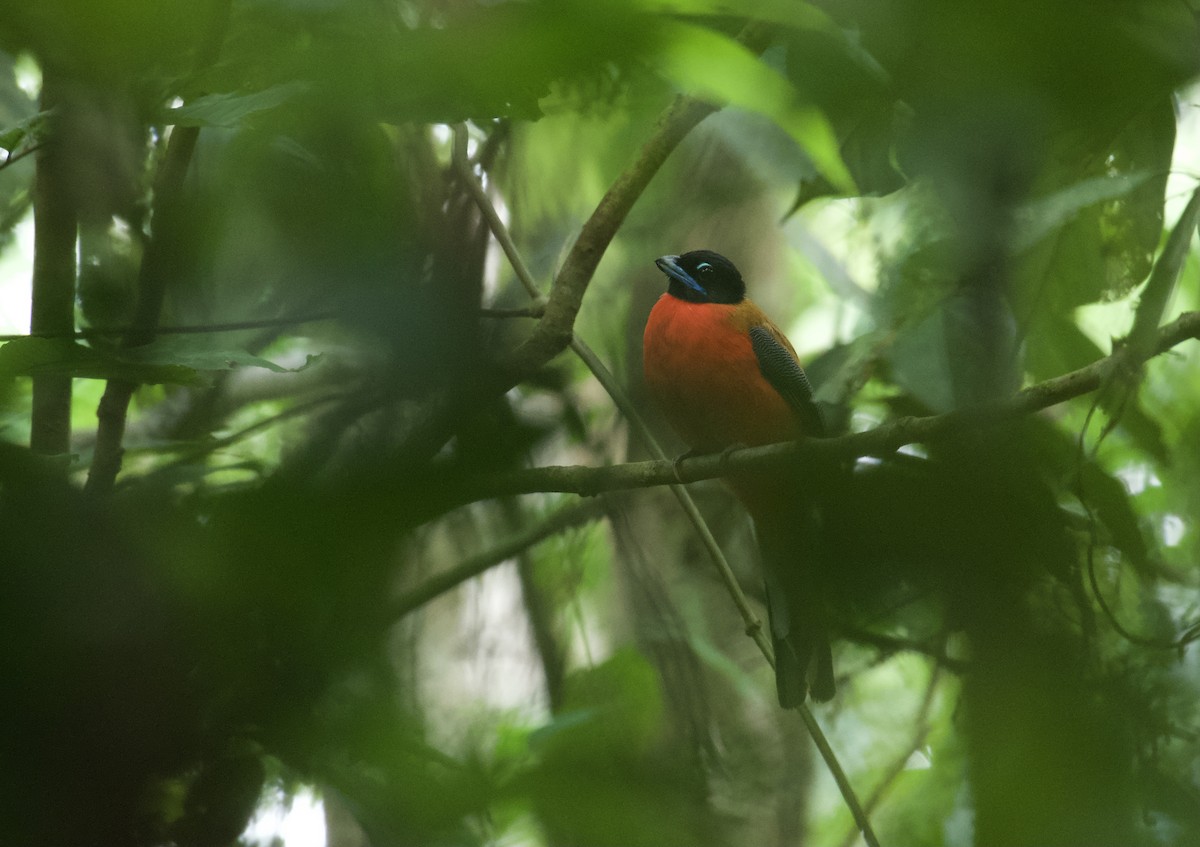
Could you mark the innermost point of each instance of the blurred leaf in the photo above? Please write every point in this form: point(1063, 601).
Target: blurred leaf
point(1038, 218)
point(1058, 451)
point(1093, 239)
point(785, 13)
point(712, 65)
point(232, 108)
point(172, 360)
point(600, 756)
point(36, 356)
point(198, 353)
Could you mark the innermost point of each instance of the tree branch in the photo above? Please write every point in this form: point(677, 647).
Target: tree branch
point(554, 331)
point(53, 284)
point(880, 441)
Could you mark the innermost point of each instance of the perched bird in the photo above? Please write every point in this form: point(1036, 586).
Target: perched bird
point(724, 375)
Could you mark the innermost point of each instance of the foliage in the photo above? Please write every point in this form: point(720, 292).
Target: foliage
point(321, 388)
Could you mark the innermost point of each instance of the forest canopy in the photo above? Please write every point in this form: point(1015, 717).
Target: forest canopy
point(327, 464)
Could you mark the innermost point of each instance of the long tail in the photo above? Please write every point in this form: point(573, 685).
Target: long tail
point(795, 606)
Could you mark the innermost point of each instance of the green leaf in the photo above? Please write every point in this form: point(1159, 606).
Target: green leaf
point(198, 354)
point(37, 356)
point(785, 13)
point(1038, 218)
point(231, 108)
point(716, 67)
point(1102, 222)
point(171, 360)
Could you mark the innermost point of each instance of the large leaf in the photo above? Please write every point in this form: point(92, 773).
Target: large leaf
point(170, 360)
point(231, 108)
point(38, 356)
point(784, 13)
point(1092, 238)
point(1038, 218)
point(715, 66)
point(199, 353)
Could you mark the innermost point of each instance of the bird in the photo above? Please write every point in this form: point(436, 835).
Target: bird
point(724, 376)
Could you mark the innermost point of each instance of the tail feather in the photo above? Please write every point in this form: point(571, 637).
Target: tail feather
point(803, 656)
point(795, 608)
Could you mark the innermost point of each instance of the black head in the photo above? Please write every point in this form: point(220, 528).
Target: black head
point(703, 276)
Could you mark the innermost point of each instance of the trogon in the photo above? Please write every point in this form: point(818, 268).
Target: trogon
point(724, 375)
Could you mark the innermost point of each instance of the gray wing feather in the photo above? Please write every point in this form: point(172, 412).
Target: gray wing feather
point(786, 376)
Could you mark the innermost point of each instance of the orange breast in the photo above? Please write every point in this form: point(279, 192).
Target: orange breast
point(702, 371)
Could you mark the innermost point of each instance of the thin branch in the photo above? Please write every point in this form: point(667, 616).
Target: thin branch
point(880, 441)
point(13, 158)
point(567, 517)
point(920, 733)
point(889, 645)
point(195, 452)
point(554, 331)
point(156, 269)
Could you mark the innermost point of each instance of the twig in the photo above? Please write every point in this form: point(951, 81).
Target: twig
point(616, 391)
point(889, 645)
point(13, 158)
point(921, 732)
point(211, 446)
point(554, 331)
point(567, 517)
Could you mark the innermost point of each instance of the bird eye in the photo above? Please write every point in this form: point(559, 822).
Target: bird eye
point(703, 267)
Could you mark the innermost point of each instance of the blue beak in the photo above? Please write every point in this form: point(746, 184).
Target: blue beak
point(670, 266)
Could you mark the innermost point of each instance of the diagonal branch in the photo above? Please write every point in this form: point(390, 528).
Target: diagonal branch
point(553, 332)
point(568, 517)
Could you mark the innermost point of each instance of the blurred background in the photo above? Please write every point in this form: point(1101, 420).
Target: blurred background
point(260, 578)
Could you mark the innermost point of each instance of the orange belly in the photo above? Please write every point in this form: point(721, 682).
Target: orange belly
point(702, 371)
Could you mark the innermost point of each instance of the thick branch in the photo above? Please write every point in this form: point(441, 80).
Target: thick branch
point(53, 309)
point(880, 441)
